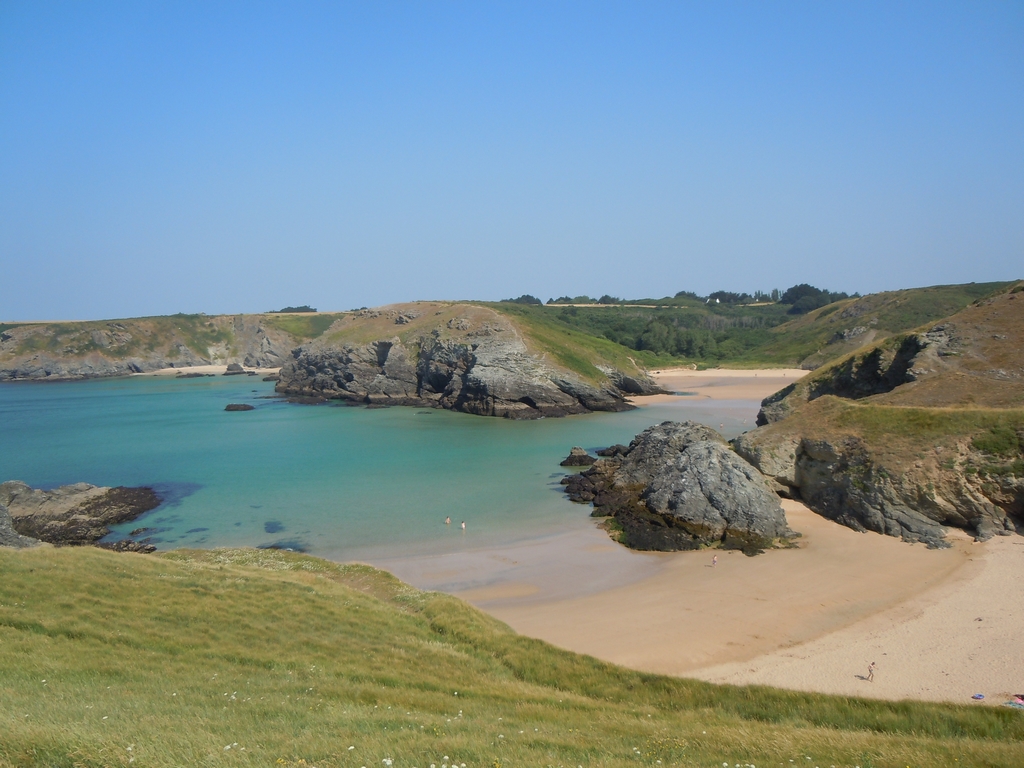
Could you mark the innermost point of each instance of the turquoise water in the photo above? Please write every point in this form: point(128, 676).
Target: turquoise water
point(332, 480)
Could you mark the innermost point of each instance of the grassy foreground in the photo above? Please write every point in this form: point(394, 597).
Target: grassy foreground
point(259, 658)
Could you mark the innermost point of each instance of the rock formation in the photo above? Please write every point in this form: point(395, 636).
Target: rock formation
point(72, 514)
point(10, 537)
point(461, 357)
point(577, 457)
point(679, 486)
point(909, 436)
point(843, 478)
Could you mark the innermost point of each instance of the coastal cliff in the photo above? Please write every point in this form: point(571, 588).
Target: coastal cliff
point(460, 357)
point(905, 437)
point(95, 349)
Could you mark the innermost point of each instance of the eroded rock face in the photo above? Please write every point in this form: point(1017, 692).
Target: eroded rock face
point(490, 374)
point(679, 486)
point(10, 537)
point(75, 514)
point(838, 479)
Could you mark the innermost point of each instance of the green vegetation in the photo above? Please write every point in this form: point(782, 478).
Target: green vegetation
point(524, 299)
point(1001, 439)
point(712, 333)
point(259, 658)
point(578, 351)
point(303, 308)
point(686, 328)
point(304, 327)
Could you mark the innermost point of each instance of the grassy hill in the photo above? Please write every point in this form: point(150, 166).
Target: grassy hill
point(262, 658)
point(765, 334)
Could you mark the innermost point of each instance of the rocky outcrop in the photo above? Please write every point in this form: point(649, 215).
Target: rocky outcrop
point(488, 373)
point(842, 479)
point(75, 514)
point(577, 457)
point(877, 371)
point(679, 486)
point(239, 407)
point(10, 537)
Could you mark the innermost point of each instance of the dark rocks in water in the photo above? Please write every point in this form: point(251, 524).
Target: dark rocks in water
point(239, 407)
point(193, 375)
point(273, 526)
point(615, 450)
point(288, 545)
point(272, 377)
point(578, 458)
point(234, 369)
point(73, 515)
point(679, 486)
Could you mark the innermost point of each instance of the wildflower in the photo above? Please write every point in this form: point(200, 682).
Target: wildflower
point(387, 761)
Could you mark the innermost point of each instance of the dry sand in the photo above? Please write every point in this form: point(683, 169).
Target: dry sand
point(205, 369)
point(720, 384)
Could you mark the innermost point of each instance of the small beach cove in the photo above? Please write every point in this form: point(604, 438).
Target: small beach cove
point(375, 486)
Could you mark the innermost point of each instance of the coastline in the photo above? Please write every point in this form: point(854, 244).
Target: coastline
point(214, 370)
point(809, 618)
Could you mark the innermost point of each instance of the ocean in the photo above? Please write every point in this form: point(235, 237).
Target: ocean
point(335, 481)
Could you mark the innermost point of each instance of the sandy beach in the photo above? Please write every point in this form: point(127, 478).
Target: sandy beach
point(215, 370)
point(941, 625)
point(720, 384)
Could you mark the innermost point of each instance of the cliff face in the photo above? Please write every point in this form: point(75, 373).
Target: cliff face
point(458, 357)
point(912, 435)
point(678, 486)
point(65, 351)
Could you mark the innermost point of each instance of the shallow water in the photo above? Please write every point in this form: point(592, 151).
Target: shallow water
point(336, 481)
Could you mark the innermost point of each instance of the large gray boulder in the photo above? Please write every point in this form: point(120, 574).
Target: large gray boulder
point(680, 486)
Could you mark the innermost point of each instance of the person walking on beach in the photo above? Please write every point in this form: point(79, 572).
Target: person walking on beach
point(871, 672)
point(714, 561)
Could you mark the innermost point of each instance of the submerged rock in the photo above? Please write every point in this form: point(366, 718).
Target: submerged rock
point(679, 486)
point(238, 407)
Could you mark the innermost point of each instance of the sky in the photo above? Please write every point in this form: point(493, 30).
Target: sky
point(221, 157)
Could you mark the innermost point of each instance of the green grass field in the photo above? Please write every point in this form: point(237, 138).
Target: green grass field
point(260, 658)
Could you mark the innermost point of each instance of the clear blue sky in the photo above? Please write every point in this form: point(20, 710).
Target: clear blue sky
point(237, 157)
